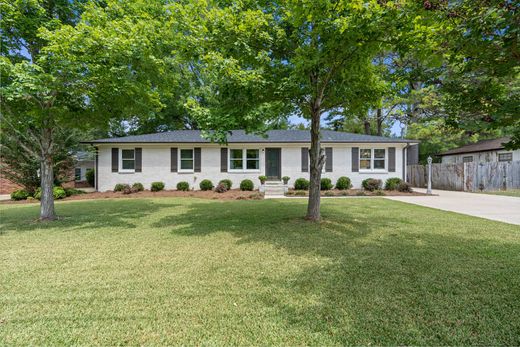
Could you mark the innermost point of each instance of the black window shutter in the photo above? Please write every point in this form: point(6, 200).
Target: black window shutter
point(115, 159)
point(223, 159)
point(138, 159)
point(305, 159)
point(328, 159)
point(173, 155)
point(391, 159)
point(355, 159)
point(196, 153)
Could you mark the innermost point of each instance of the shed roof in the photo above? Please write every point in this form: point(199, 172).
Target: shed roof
point(480, 146)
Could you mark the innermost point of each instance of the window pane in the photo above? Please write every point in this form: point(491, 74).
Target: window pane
point(252, 164)
point(252, 154)
point(235, 164)
point(505, 157)
point(186, 154)
point(467, 159)
point(186, 164)
point(379, 153)
point(128, 164)
point(365, 153)
point(127, 154)
point(364, 164)
point(235, 154)
point(379, 164)
point(77, 174)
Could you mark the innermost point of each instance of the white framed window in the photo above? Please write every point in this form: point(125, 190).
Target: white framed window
point(372, 159)
point(127, 163)
point(467, 159)
point(186, 159)
point(505, 156)
point(244, 159)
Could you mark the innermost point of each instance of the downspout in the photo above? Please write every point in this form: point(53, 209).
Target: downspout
point(405, 161)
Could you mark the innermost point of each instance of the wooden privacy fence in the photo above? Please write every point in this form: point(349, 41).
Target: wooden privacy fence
point(467, 176)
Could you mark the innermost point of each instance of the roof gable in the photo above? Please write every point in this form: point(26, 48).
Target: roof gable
point(480, 146)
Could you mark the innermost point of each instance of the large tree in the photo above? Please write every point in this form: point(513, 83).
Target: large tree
point(260, 60)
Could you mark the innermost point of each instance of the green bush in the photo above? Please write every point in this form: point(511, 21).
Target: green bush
point(300, 193)
point(246, 185)
point(404, 187)
point(392, 183)
point(326, 184)
point(137, 187)
point(120, 186)
point(221, 188)
point(343, 183)
point(20, 194)
point(227, 183)
point(57, 193)
point(206, 185)
point(73, 191)
point(285, 179)
point(301, 184)
point(262, 179)
point(90, 175)
point(371, 184)
point(379, 192)
point(157, 186)
point(184, 186)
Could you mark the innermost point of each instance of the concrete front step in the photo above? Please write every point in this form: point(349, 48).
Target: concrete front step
point(274, 188)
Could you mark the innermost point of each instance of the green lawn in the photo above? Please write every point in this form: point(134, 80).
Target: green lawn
point(510, 192)
point(190, 271)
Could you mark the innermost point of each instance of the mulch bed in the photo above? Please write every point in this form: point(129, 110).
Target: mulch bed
point(352, 192)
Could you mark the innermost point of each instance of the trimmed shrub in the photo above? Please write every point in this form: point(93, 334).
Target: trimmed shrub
point(57, 193)
point(120, 186)
point(262, 179)
point(20, 194)
point(343, 183)
point(90, 176)
point(221, 188)
point(206, 185)
point(157, 186)
point(379, 192)
point(127, 190)
point(246, 185)
point(371, 184)
point(392, 183)
point(301, 184)
point(404, 187)
point(300, 193)
point(285, 179)
point(326, 184)
point(73, 191)
point(227, 183)
point(137, 187)
point(184, 186)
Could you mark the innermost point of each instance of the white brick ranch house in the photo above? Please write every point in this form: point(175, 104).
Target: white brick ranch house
point(183, 155)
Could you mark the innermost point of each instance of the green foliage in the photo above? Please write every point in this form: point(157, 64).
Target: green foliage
point(20, 194)
point(120, 186)
point(183, 185)
point(392, 183)
point(73, 191)
point(371, 184)
point(300, 193)
point(343, 183)
point(326, 184)
point(379, 192)
point(206, 185)
point(57, 193)
point(301, 184)
point(246, 185)
point(138, 187)
point(226, 182)
point(157, 186)
point(90, 175)
point(221, 188)
point(329, 193)
point(262, 179)
point(285, 179)
point(405, 187)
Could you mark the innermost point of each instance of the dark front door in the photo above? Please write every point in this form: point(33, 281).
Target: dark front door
point(273, 163)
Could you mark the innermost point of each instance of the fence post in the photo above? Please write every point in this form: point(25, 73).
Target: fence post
point(429, 190)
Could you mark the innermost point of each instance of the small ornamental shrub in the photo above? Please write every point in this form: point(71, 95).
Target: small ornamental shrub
point(184, 186)
point(262, 179)
point(392, 183)
point(329, 193)
point(300, 193)
point(73, 191)
point(404, 187)
point(326, 184)
point(157, 186)
point(371, 184)
point(301, 184)
point(90, 176)
point(127, 190)
point(206, 185)
point(30, 198)
point(246, 185)
point(379, 192)
point(227, 183)
point(137, 187)
point(221, 188)
point(57, 193)
point(285, 179)
point(343, 183)
point(120, 186)
point(20, 194)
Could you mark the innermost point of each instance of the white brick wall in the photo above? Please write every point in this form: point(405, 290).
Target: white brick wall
point(156, 165)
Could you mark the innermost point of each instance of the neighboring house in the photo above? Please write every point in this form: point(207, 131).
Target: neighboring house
point(482, 151)
point(184, 155)
point(83, 161)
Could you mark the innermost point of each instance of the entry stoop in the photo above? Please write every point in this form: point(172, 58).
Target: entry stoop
point(274, 189)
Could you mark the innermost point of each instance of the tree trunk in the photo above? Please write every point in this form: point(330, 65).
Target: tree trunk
point(379, 121)
point(46, 178)
point(317, 159)
point(366, 123)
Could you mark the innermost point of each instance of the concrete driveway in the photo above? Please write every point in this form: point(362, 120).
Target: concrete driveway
point(495, 207)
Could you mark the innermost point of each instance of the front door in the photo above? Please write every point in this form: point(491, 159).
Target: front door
point(273, 163)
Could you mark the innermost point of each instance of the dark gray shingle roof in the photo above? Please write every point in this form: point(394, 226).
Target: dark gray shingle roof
point(481, 146)
point(240, 136)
